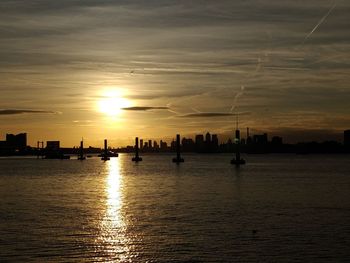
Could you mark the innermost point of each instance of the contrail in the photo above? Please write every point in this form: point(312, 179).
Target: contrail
point(240, 93)
point(195, 110)
point(170, 108)
point(320, 22)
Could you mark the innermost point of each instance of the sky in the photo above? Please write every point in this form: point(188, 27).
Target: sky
point(118, 69)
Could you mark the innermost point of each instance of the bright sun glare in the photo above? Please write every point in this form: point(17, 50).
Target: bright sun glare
point(113, 102)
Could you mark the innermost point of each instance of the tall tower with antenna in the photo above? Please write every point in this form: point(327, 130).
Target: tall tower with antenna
point(237, 160)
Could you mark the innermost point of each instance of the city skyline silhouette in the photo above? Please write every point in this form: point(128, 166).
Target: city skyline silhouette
point(200, 143)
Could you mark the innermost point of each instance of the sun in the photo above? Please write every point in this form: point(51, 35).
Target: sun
point(112, 103)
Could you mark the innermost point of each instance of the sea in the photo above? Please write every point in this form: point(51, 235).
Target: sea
point(276, 208)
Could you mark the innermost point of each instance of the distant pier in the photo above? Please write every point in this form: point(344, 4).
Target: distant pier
point(105, 156)
point(81, 156)
point(40, 150)
point(178, 158)
point(137, 158)
point(238, 160)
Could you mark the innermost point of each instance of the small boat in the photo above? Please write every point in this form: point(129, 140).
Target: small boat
point(108, 154)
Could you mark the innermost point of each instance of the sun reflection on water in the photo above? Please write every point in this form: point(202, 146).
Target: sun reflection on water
point(113, 227)
point(113, 188)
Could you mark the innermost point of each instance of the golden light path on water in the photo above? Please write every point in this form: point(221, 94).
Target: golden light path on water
point(113, 236)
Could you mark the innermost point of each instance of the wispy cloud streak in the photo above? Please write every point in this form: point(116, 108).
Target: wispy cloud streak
point(211, 114)
point(18, 111)
point(144, 108)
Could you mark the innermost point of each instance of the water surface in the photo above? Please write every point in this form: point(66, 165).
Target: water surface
point(277, 208)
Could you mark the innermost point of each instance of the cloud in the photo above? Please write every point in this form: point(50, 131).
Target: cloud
point(211, 114)
point(144, 108)
point(17, 111)
point(192, 54)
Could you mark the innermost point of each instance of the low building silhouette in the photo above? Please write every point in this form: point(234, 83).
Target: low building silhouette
point(53, 146)
point(347, 138)
point(53, 151)
point(163, 146)
point(276, 141)
point(4, 148)
point(141, 144)
point(199, 140)
point(173, 145)
point(155, 146)
point(214, 143)
point(15, 144)
point(260, 139)
point(249, 139)
point(188, 145)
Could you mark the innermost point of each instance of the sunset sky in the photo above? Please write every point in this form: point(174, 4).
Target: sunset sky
point(119, 69)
